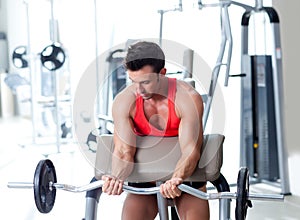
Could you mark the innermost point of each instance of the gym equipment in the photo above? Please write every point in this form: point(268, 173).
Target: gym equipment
point(45, 186)
point(263, 147)
point(242, 202)
point(50, 85)
point(66, 129)
point(19, 58)
point(14, 80)
point(105, 121)
point(3, 52)
point(53, 57)
point(117, 70)
point(162, 12)
point(44, 194)
point(262, 137)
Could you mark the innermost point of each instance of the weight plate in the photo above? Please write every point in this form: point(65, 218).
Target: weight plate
point(53, 57)
point(242, 201)
point(44, 195)
point(19, 57)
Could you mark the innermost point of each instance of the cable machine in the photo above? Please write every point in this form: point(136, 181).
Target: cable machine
point(263, 147)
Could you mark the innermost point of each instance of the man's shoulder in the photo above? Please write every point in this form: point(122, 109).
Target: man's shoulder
point(124, 100)
point(127, 94)
point(188, 100)
point(185, 89)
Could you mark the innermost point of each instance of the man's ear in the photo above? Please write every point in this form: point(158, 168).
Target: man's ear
point(163, 71)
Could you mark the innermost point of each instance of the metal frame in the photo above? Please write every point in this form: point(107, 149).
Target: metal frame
point(278, 90)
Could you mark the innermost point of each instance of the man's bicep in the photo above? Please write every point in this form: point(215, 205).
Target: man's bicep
point(191, 128)
point(123, 131)
point(123, 124)
point(190, 133)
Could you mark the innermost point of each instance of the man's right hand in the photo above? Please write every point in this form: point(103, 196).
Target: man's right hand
point(112, 185)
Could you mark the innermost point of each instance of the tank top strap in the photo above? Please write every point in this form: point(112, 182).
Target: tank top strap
point(172, 89)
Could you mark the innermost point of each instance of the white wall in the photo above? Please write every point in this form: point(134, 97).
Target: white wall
point(288, 11)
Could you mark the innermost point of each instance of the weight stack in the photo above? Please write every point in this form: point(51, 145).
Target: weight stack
point(258, 122)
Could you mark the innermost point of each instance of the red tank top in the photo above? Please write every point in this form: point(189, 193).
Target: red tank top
point(142, 126)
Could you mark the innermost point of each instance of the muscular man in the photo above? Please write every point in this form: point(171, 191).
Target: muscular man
point(158, 106)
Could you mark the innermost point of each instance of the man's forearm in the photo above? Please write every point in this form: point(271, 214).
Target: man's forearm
point(186, 165)
point(122, 166)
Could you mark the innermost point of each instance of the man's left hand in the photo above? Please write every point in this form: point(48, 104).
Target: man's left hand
point(169, 189)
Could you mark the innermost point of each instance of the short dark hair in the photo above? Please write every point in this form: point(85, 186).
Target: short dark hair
point(144, 53)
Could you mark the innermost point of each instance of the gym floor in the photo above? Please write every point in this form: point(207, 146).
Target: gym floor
point(18, 163)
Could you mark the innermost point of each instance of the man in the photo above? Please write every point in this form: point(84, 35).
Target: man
point(158, 106)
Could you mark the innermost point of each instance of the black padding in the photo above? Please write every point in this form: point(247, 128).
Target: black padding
point(221, 184)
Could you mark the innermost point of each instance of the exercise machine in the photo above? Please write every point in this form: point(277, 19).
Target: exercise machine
point(263, 145)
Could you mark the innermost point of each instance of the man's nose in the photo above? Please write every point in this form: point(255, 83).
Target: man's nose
point(139, 87)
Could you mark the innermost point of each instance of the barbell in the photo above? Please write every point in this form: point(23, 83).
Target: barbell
point(45, 186)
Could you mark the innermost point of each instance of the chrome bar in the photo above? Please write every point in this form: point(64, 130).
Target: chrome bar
point(228, 195)
point(206, 196)
point(78, 189)
point(265, 197)
point(20, 185)
point(99, 183)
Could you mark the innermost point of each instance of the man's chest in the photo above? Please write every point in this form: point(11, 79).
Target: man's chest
point(157, 113)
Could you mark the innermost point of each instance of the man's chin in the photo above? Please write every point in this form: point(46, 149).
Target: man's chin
point(146, 96)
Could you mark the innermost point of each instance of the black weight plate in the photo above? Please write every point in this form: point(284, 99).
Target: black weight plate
point(44, 195)
point(242, 194)
point(53, 57)
point(18, 57)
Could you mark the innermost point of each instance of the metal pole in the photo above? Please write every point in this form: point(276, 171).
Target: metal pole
point(55, 78)
point(258, 4)
point(31, 75)
point(224, 209)
point(96, 55)
point(279, 112)
point(161, 12)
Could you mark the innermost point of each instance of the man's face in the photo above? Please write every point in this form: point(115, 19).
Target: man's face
point(145, 81)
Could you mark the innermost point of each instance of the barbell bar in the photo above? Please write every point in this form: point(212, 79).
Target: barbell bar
point(150, 191)
point(45, 187)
